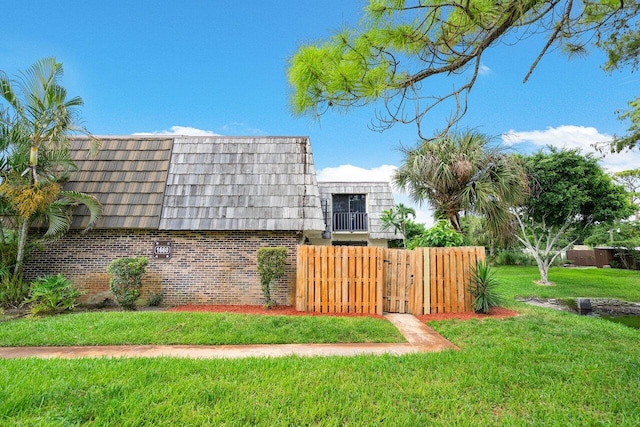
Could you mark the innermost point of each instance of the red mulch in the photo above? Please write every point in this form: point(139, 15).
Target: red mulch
point(287, 310)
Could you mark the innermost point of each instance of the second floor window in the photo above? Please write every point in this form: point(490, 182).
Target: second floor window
point(349, 212)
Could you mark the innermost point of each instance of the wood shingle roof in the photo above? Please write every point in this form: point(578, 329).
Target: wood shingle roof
point(201, 183)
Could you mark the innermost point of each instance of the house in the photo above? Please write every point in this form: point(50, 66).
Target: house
point(352, 212)
point(199, 208)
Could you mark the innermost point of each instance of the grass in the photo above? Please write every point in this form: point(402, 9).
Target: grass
point(631, 321)
point(570, 283)
point(543, 368)
point(119, 328)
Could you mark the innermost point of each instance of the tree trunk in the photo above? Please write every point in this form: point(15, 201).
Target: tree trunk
point(33, 163)
point(543, 268)
point(404, 235)
point(24, 228)
point(542, 245)
point(22, 244)
point(455, 221)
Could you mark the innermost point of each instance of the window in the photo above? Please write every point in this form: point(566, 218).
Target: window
point(350, 212)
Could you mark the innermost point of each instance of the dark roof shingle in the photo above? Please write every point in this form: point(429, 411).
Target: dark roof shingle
point(128, 176)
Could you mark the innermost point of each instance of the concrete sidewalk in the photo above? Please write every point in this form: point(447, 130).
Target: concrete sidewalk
point(420, 338)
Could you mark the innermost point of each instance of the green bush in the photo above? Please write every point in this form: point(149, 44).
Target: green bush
point(126, 280)
point(483, 288)
point(52, 294)
point(271, 265)
point(442, 234)
point(13, 289)
point(155, 299)
point(511, 257)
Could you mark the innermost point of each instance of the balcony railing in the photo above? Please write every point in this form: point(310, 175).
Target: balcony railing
point(345, 221)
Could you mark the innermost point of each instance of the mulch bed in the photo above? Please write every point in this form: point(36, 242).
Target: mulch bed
point(287, 310)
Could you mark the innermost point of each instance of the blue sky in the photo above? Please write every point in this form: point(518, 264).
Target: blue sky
point(220, 67)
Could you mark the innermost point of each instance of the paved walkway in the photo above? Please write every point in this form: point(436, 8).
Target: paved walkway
point(420, 338)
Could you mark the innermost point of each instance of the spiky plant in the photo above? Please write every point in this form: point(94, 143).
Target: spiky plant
point(483, 288)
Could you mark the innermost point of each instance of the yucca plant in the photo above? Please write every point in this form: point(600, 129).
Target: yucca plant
point(483, 288)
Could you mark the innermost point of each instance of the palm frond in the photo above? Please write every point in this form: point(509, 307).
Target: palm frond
point(58, 214)
point(7, 92)
point(75, 198)
point(55, 165)
point(58, 219)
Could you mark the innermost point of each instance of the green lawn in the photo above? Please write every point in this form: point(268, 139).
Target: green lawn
point(111, 328)
point(571, 282)
point(542, 368)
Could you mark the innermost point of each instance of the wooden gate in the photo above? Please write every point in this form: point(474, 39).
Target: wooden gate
point(402, 287)
point(335, 279)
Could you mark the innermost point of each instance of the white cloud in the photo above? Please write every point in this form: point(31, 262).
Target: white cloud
point(583, 137)
point(180, 130)
point(241, 128)
point(621, 161)
point(424, 214)
point(234, 128)
point(350, 173)
point(483, 70)
point(384, 173)
point(562, 137)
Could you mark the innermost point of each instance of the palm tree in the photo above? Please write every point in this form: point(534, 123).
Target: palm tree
point(35, 128)
point(397, 218)
point(461, 172)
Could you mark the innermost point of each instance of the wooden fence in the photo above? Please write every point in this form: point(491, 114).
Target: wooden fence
point(349, 279)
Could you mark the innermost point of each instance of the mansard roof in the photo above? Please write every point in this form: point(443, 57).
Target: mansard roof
point(200, 183)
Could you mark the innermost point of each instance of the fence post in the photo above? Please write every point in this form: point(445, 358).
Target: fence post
point(379, 280)
point(426, 285)
point(301, 279)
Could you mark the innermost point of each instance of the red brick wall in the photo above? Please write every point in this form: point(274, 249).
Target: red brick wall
point(205, 267)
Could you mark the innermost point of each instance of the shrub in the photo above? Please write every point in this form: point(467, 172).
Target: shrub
point(483, 288)
point(511, 257)
point(442, 234)
point(52, 294)
point(126, 280)
point(13, 290)
point(155, 299)
point(271, 265)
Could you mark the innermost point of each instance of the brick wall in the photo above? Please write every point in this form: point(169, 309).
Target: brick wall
point(205, 267)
